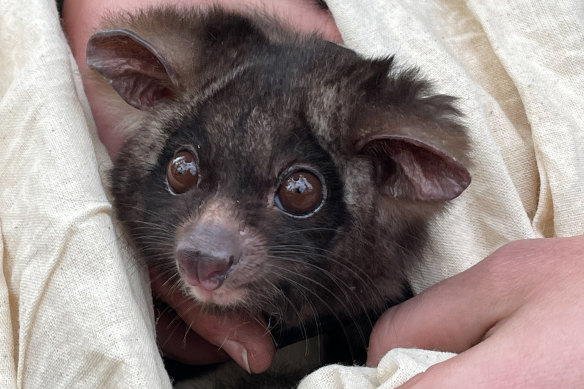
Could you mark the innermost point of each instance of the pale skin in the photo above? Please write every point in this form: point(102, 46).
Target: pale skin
point(516, 317)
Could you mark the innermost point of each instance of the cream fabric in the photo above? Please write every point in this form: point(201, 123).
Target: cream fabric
point(75, 310)
point(394, 369)
point(518, 67)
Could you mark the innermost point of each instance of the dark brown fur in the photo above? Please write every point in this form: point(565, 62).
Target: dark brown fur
point(252, 99)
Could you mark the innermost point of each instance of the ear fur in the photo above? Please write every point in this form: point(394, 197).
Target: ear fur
point(409, 168)
point(412, 137)
point(163, 51)
point(135, 69)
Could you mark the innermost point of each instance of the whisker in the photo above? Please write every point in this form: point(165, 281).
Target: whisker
point(338, 281)
point(355, 271)
point(326, 305)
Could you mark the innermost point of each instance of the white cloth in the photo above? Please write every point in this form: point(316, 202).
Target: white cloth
point(75, 309)
point(394, 369)
point(518, 68)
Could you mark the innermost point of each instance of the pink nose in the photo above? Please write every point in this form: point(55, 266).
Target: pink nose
point(207, 252)
point(204, 270)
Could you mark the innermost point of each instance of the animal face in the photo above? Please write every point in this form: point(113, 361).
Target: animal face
point(270, 172)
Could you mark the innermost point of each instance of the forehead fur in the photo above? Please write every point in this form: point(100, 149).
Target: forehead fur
point(255, 117)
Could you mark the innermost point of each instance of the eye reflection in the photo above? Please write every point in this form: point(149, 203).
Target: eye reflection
point(182, 172)
point(300, 194)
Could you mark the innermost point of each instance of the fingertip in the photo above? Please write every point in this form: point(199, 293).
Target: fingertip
point(252, 361)
point(244, 339)
point(178, 342)
point(382, 337)
point(254, 354)
point(262, 360)
point(238, 353)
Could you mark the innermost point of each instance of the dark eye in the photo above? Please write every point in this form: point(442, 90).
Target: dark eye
point(300, 194)
point(182, 172)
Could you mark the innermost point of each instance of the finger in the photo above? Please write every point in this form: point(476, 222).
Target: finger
point(181, 344)
point(245, 339)
point(466, 370)
point(508, 359)
point(450, 316)
point(536, 346)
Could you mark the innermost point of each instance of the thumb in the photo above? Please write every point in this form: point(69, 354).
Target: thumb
point(452, 315)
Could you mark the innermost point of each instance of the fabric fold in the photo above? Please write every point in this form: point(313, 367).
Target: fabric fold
point(75, 306)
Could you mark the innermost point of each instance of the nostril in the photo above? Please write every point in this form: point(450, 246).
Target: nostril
point(199, 269)
point(187, 262)
point(213, 272)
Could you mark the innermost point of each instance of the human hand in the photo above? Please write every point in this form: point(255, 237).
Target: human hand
point(516, 318)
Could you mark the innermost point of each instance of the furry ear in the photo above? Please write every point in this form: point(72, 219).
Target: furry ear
point(412, 169)
point(412, 136)
point(135, 69)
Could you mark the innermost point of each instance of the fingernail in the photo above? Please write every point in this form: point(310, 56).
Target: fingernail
point(236, 350)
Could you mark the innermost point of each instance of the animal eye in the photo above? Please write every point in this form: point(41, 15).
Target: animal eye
point(182, 172)
point(300, 194)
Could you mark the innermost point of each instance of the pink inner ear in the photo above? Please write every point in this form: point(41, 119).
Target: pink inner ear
point(140, 91)
point(136, 70)
point(407, 168)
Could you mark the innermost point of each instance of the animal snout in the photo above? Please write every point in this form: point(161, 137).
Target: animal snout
point(207, 256)
point(208, 271)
